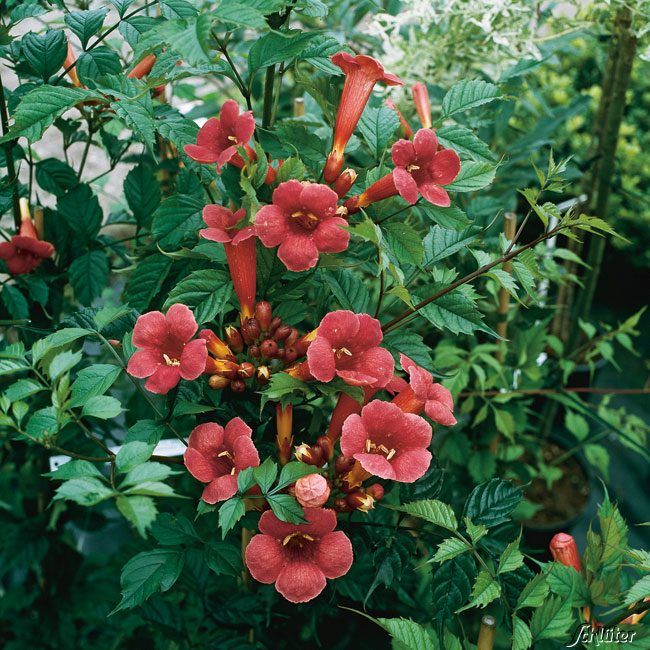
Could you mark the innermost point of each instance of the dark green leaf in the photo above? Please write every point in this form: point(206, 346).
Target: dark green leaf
point(206, 292)
point(491, 503)
point(89, 276)
point(85, 24)
point(45, 53)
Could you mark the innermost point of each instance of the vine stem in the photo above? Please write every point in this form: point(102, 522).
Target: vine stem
point(469, 277)
point(9, 155)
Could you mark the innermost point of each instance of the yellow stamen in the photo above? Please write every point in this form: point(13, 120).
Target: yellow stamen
point(232, 138)
point(412, 168)
point(171, 362)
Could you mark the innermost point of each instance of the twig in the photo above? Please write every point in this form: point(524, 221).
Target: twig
point(9, 156)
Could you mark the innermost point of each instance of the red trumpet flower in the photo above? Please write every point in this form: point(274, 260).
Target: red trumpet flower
point(361, 74)
point(422, 104)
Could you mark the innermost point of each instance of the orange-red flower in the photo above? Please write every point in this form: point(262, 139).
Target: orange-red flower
point(422, 104)
point(361, 74)
point(25, 251)
point(565, 551)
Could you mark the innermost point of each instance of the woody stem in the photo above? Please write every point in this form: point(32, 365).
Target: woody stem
point(11, 168)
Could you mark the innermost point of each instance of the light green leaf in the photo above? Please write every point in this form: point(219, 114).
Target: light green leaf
point(140, 511)
point(86, 491)
point(552, 620)
point(230, 512)
point(441, 243)
point(465, 142)
point(431, 510)
point(449, 548)
point(473, 176)
point(286, 508)
point(103, 407)
point(486, 589)
point(377, 126)
point(468, 94)
point(522, 639)
point(511, 558)
point(408, 634)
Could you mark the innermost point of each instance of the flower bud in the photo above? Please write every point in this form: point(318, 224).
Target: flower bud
point(376, 491)
point(234, 338)
point(275, 323)
point(223, 367)
point(216, 347)
point(326, 446)
point(114, 343)
point(246, 370)
point(422, 104)
point(292, 338)
point(264, 314)
point(565, 551)
point(304, 342)
point(359, 500)
point(300, 371)
point(290, 355)
point(237, 386)
point(217, 382)
point(343, 464)
point(282, 333)
point(308, 455)
point(312, 491)
point(344, 182)
point(254, 351)
point(269, 348)
point(251, 329)
point(341, 505)
point(263, 375)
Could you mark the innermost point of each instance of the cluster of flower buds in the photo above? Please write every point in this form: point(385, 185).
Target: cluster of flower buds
point(362, 499)
point(261, 345)
point(317, 454)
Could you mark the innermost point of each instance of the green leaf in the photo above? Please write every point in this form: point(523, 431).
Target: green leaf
point(146, 281)
point(552, 620)
point(265, 475)
point(15, 302)
point(426, 487)
point(178, 218)
point(639, 591)
point(223, 558)
point(468, 94)
point(206, 292)
point(81, 210)
point(21, 389)
point(85, 24)
point(177, 9)
point(286, 508)
point(377, 126)
point(432, 510)
point(448, 549)
point(451, 218)
point(45, 53)
point(103, 407)
point(62, 363)
point(89, 276)
point(486, 589)
point(86, 491)
point(190, 38)
point(171, 530)
point(98, 62)
point(275, 47)
point(137, 114)
point(522, 639)
point(475, 532)
point(534, 593)
point(292, 471)
point(281, 386)
point(511, 558)
point(140, 441)
point(465, 142)
point(57, 340)
point(566, 582)
point(451, 585)
point(147, 472)
point(405, 242)
point(40, 107)
point(441, 243)
point(55, 176)
point(292, 167)
point(457, 313)
point(473, 176)
point(348, 289)
point(140, 511)
point(230, 512)
point(614, 533)
point(76, 469)
point(491, 503)
point(408, 634)
point(240, 14)
point(147, 573)
point(142, 193)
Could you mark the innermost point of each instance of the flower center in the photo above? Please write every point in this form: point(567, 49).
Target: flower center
point(340, 352)
point(228, 456)
point(372, 448)
point(307, 220)
point(412, 168)
point(171, 362)
point(297, 540)
point(232, 138)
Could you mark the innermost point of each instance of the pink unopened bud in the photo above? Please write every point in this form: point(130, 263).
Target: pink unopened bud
point(422, 104)
point(344, 182)
point(565, 551)
point(312, 491)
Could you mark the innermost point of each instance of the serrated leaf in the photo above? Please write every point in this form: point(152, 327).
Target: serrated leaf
point(46, 52)
point(486, 589)
point(265, 475)
point(292, 471)
point(378, 126)
point(85, 24)
point(468, 94)
point(142, 193)
point(552, 620)
point(223, 558)
point(457, 313)
point(96, 63)
point(511, 558)
point(230, 512)
point(522, 639)
point(441, 243)
point(451, 586)
point(475, 532)
point(146, 280)
point(139, 510)
point(56, 340)
point(408, 634)
point(286, 508)
point(451, 217)
point(448, 549)
point(639, 591)
point(178, 218)
point(206, 292)
point(534, 593)
point(465, 142)
point(404, 242)
point(103, 407)
point(348, 289)
point(86, 491)
point(431, 510)
point(473, 176)
point(491, 503)
point(89, 276)
point(171, 530)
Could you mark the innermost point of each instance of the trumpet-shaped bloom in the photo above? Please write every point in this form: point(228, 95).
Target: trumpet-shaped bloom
point(215, 455)
point(218, 138)
point(422, 394)
point(303, 221)
point(422, 104)
point(347, 346)
point(299, 557)
point(167, 352)
point(241, 252)
point(387, 442)
point(361, 74)
point(25, 251)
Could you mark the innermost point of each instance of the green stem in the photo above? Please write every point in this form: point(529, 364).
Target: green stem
point(9, 155)
point(267, 112)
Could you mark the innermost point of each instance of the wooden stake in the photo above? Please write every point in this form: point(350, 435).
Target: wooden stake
point(487, 633)
point(509, 229)
point(298, 107)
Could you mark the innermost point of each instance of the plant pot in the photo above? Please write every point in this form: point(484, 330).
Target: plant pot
point(566, 507)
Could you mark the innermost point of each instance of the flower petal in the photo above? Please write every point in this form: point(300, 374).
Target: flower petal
point(377, 465)
point(215, 234)
point(334, 554)
point(300, 581)
point(203, 155)
point(321, 521)
point(330, 237)
point(339, 327)
point(320, 359)
point(181, 322)
point(217, 216)
point(228, 115)
point(150, 330)
point(286, 196)
point(265, 558)
point(163, 380)
point(221, 489)
point(298, 252)
point(425, 144)
point(445, 167)
point(208, 134)
point(439, 413)
point(245, 453)
point(354, 435)
point(244, 127)
point(376, 362)
point(356, 378)
point(405, 184)
point(144, 363)
point(201, 468)
point(435, 194)
point(318, 199)
point(271, 225)
point(379, 417)
point(207, 438)
point(193, 359)
point(411, 465)
point(415, 431)
point(403, 153)
point(369, 334)
point(235, 428)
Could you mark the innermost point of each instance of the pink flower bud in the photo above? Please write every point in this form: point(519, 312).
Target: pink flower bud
point(565, 551)
point(312, 491)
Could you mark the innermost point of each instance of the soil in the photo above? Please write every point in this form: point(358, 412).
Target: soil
point(568, 495)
